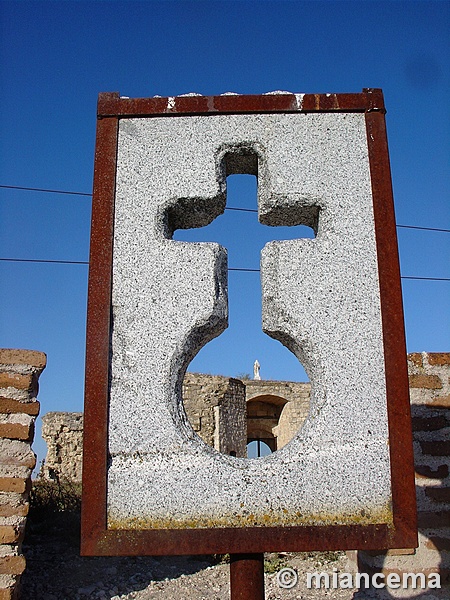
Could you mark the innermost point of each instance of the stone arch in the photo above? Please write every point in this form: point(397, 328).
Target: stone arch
point(263, 416)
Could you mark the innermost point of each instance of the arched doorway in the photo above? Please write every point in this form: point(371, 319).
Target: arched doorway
point(263, 414)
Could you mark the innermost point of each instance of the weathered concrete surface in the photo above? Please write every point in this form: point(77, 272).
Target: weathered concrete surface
point(320, 298)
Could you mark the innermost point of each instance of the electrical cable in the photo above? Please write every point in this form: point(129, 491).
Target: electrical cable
point(84, 262)
point(250, 210)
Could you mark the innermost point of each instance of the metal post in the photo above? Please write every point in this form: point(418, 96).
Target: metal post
point(247, 576)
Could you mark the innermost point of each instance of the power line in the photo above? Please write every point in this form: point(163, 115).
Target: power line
point(37, 260)
point(426, 278)
point(32, 189)
point(424, 228)
point(244, 270)
point(250, 210)
point(402, 277)
point(241, 269)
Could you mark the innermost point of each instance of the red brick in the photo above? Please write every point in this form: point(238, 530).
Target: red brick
point(433, 520)
point(439, 402)
point(16, 431)
point(429, 423)
point(10, 593)
point(437, 543)
point(441, 472)
point(436, 448)
point(16, 380)
point(9, 406)
point(416, 358)
point(10, 534)
point(27, 459)
point(441, 494)
point(14, 484)
point(428, 382)
point(23, 357)
point(12, 565)
point(7, 510)
point(439, 358)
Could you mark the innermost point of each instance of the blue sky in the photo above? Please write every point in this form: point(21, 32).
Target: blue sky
point(55, 57)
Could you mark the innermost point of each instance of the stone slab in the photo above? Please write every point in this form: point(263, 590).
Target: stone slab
point(320, 298)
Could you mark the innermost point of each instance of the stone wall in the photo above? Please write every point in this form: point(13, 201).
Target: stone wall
point(429, 381)
point(217, 410)
point(19, 374)
point(215, 407)
point(294, 399)
point(292, 417)
point(289, 390)
point(63, 434)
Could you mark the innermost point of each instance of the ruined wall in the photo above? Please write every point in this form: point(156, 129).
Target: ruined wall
point(216, 409)
point(63, 434)
point(429, 381)
point(230, 436)
point(19, 374)
point(289, 390)
point(292, 417)
point(290, 401)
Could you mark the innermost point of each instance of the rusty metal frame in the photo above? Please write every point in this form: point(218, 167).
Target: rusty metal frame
point(96, 538)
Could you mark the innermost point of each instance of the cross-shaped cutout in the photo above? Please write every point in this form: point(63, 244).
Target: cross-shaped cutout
point(233, 352)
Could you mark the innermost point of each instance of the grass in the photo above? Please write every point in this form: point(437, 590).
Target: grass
point(55, 508)
point(51, 496)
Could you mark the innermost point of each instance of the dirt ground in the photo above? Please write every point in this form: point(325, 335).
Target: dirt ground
point(55, 571)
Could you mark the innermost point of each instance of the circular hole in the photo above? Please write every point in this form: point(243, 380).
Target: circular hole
point(244, 417)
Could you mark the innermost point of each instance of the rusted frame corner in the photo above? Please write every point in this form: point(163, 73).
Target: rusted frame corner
point(96, 538)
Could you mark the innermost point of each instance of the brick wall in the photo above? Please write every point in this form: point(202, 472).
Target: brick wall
point(19, 374)
point(429, 381)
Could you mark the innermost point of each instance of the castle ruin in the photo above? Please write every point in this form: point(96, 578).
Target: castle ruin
point(226, 413)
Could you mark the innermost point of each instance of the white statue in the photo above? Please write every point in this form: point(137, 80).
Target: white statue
point(256, 369)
